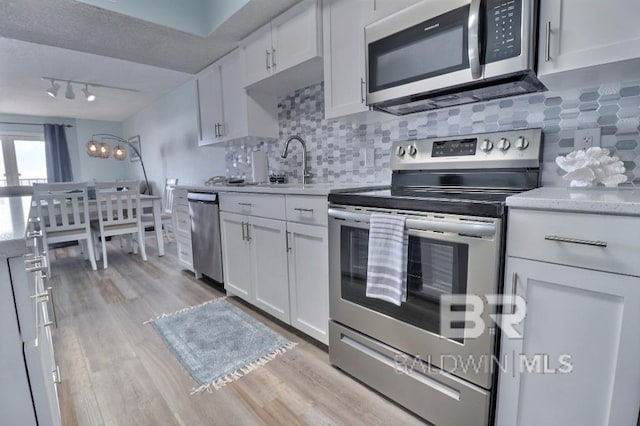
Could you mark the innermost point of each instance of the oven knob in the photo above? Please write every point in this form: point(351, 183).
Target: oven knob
point(486, 145)
point(413, 150)
point(522, 143)
point(504, 144)
point(400, 151)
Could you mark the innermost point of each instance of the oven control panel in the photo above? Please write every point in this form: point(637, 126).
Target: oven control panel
point(509, 149)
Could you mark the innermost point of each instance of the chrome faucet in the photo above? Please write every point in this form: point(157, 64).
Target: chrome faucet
point(305, 171)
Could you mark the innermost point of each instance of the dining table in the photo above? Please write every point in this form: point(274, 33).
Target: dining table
point(153, 202)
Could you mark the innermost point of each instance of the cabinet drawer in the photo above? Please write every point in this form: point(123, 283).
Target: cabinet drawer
point(576, 239)
point(180, 198)
point(261, 205)
point(307, 209)
point(183, 222)
point(185, 252)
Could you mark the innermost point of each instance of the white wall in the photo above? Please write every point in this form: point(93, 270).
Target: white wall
point(85, 168)
point(99, 169)
point(169, 140)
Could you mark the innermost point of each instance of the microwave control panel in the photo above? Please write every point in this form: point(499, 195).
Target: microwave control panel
point(503, 29)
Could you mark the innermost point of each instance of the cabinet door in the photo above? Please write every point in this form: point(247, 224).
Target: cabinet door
point(589, 316)
point(584, 33)
point(255, 54)
point(269, 255)
point(344, 56)
point(295, 36)
point(236, 255)
point(234, 98)
point(309, 279)
point(209, 89)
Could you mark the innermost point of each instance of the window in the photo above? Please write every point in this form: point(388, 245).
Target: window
point(22, 160)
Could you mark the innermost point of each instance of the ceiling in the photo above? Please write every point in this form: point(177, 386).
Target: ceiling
point(78, 41)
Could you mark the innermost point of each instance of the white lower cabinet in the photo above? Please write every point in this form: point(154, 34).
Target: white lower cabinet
point(269, 259)
point(182, 227)
point(236, 255)
point(576, 360)
point(275, 263)
point(309, 275)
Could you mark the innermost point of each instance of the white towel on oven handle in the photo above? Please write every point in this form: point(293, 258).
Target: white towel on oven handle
point(387, 264)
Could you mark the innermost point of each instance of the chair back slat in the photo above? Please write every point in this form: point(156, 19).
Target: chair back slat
point(59, 206)
point(118, 203)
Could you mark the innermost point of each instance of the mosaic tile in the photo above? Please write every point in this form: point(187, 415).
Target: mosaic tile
point(336, 147)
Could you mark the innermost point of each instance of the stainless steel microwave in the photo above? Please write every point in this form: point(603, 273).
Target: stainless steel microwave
point(439, 53)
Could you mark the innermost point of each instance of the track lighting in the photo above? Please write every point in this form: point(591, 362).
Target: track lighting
point(87, 94)
point(53, 90)
point(69, 93)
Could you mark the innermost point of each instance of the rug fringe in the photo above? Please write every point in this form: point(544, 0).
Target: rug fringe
point(239, 373)
point(187, 309)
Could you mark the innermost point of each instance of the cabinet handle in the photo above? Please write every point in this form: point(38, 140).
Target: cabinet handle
point(245, 204)
point(199, 110)
point(267, 56)
point(53, 306)
point(273, 58)
point(248, 234)
point(244, 236)
point(300, 209)
point(363, 99)
point(287, 234)
point(215, 129)
point(220, 129)
point(547, 47)
point(514, 292)
point(575, 241)
point(56, 375)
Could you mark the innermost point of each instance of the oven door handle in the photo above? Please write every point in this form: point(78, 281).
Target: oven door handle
point(466, 228)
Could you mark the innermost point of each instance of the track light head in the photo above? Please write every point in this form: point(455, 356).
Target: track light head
point(69, 93)
point(53, 90)
point(87, 94)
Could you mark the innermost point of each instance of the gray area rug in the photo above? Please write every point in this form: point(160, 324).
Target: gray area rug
point(218, 343)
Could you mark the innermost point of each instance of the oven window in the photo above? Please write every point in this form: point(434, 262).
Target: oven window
point(434, 268)
point(434, 47)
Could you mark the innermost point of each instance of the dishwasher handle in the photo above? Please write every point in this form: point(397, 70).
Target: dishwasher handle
point(202, 197)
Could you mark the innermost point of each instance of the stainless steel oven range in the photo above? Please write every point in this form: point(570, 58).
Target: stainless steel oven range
point(452, 193)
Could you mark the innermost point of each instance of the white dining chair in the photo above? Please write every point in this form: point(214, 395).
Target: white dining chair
point(63, 209)
point(167, 214)
point(119, 213)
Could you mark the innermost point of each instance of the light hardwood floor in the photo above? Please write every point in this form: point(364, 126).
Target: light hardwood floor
point(117, 371)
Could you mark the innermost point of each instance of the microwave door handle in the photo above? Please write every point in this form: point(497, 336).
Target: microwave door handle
point(474, 39)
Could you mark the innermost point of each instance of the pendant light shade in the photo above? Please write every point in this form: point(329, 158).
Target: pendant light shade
point(93, 149)
point(69, 93)
point(119, 152)
point(105, 150)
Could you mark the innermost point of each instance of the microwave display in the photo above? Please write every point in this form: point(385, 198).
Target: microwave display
point(454, 148)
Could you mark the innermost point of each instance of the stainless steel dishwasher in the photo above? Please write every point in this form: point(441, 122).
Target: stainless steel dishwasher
point(205, 235)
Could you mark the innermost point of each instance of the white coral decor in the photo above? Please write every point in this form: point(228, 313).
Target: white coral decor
point(591, 167)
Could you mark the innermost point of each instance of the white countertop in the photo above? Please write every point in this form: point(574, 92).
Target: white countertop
point(14, 215)
point(616, 201)
point(287, 188)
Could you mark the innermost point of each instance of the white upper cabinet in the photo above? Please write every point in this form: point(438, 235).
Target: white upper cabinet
point(209, 92)
point(588, 42)
point(256, 51)
point(226, 111)
point(291, 42)
point(345, 76)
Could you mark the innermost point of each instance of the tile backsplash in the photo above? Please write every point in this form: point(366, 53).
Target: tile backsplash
point(337, 148)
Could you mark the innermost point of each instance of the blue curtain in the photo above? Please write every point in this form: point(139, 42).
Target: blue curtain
point(58, 160)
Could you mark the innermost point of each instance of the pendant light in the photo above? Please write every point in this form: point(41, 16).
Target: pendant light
point(53, 90)
point(87, 94)
point(69, 93)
